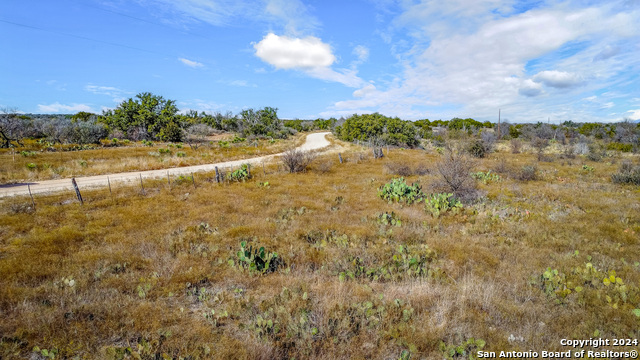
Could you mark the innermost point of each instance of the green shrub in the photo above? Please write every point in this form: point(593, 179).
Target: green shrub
point(223, 144)
point(389, 219)
point(620, 147)
point(241, 174)
point(31, 166)
point(28, 153)
point(437, 204)
point(181, 154)
point(397, 190)
point(478, 149)
point(163, 151)
point(466, 350)
point(238, 139)
point(256, 260)
point(485, 177)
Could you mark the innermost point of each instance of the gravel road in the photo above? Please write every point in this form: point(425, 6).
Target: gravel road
point(313, 141)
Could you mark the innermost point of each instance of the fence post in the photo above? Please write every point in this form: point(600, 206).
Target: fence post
point(32, 202)
point(340, 157)
point(249, 170)
point(217, 175)
point(75, 186)
point(142, 185)
point(168, 180)
point(193, 181)
point(109, 182)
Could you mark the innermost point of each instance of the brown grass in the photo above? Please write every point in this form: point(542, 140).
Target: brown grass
point(145, 272)
point(134, 156)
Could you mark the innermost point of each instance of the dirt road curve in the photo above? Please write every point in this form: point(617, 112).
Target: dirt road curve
point(313, 142)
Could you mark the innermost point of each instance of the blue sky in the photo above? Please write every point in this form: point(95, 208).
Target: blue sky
point(415, 59)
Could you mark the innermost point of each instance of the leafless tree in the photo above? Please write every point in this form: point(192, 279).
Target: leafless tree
point(13, 127)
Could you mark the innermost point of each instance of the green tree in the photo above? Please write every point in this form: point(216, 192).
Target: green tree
point(149, 113)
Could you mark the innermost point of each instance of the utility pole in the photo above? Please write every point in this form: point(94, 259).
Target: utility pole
point(499, 133)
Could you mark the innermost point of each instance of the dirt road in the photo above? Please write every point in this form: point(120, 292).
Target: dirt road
point(314, 141)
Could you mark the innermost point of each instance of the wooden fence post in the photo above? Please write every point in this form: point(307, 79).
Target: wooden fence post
point(217, 175)
point(75, 186)
point(193, 181)
point(249, 170)
point(109, 182)
point(32, 202)
point(142, 185)
point(340, 157)
point(168, 180)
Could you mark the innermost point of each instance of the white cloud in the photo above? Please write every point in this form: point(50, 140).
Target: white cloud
point(105, 90)
point(241, 83)
point(285, 52)
point(309, 55)
point(294, 15)
point(635, 114)
point(60, 108)
point(557, 79)
point(608, 105)
point(367, 89)
point(190, 63)
point(530, 88)
point(362, 52)
point(608, 52)
point(470, 57)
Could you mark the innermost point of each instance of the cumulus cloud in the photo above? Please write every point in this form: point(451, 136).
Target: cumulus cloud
point(284, 52)
point(557, 79)
point(190, 63)
point(60, 108)
point(530, 88)
point(308, 54)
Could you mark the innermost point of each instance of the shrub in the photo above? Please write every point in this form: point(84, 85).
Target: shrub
point(181, 154)
point(296, 160)
point(454, 170)
point(539, 144)
point(527, 173)
point(437, 204)
point(627, 174)
point(31, 166)
point(257, 260)
point(162, 151)
point(516, 146)
point(619, 147)
point(397, 190)
point(241, 174)
point(485, 177)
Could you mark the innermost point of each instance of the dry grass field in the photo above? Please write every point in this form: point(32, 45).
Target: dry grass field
point(164, 275)
point(34, 162)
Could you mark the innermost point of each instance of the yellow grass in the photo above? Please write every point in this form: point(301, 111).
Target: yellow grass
point(145, 273)
point(47, 165)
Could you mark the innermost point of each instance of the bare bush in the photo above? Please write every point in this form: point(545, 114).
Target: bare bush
point(516, 146)
point(400, 169)
point(526, 173)
point(296, 160)
point(455, 175)
point(540, 144)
